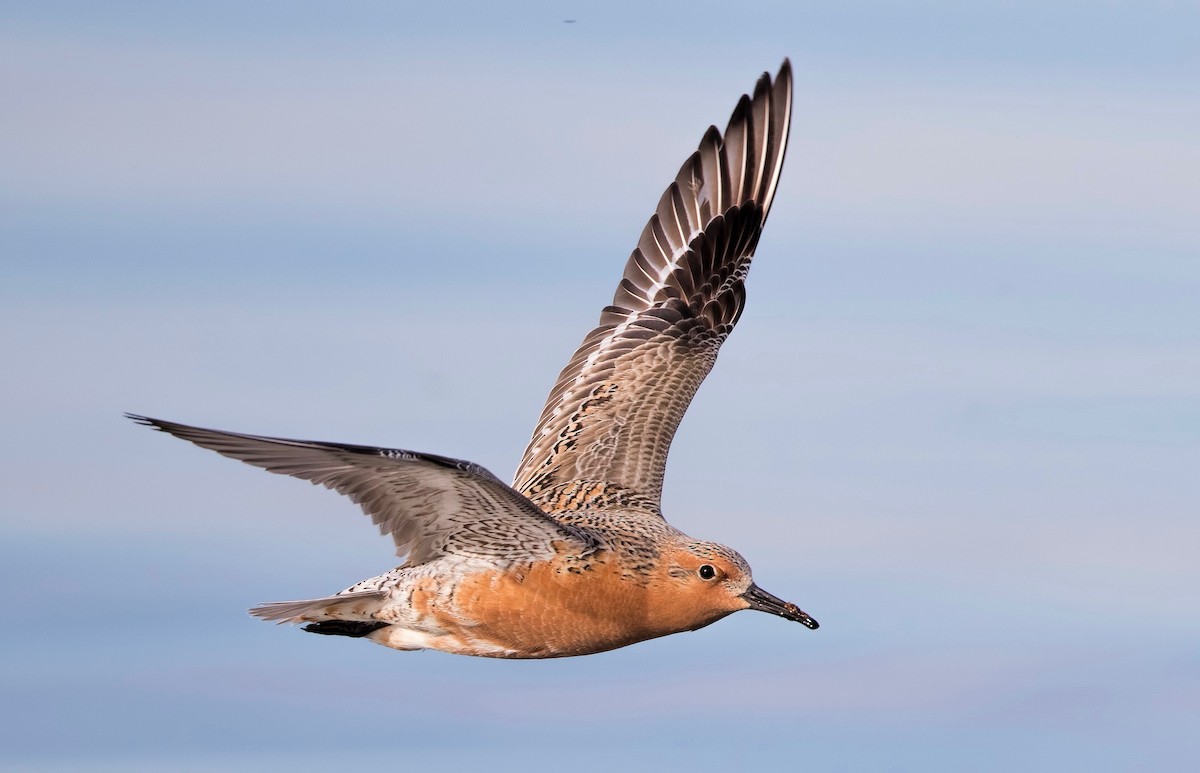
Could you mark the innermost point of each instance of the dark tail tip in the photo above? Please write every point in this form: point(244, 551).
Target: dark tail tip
point(351, 628)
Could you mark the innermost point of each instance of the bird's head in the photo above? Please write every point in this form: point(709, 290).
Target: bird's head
point(708, 581)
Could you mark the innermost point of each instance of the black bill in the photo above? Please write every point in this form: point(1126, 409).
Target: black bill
point(764, 602)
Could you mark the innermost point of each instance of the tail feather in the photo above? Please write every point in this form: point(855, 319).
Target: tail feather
point(350, 628)
point(356, 606)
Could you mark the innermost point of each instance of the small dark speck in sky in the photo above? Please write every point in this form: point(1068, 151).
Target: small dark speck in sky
point(568, 21)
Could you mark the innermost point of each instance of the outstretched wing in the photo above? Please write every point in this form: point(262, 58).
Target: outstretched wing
point(430, 505)
point(604, 434)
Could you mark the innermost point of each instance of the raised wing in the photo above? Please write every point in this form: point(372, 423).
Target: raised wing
point(603, 437)
point(430, 505)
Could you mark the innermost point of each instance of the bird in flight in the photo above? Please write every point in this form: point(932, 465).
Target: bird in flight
point(575, 556)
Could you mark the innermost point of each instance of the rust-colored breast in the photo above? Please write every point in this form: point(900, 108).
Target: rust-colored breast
point(567, 606)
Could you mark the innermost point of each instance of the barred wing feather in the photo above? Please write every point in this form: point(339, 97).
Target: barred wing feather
point(430, 505)
point(603, 437)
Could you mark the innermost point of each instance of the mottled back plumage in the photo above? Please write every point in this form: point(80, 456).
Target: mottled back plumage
point(603, 437)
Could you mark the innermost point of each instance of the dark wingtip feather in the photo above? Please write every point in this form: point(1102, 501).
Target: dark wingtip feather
point(761, 86)
point(161, 425)
point(739, 112)
point(146, 421)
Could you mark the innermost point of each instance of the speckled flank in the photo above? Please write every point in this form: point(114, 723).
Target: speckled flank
point(575, 557)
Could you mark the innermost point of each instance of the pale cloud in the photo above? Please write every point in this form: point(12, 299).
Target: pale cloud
point(1048, 156)
point(358, 138)
point(368, 136)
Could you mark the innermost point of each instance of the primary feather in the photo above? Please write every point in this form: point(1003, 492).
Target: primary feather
point(603, 437)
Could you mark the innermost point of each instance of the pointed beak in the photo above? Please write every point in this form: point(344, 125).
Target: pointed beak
point(764, 602)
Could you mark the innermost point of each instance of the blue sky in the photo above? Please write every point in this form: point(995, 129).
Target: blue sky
point(959, 422)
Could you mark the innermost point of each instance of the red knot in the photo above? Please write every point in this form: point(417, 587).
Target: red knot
point(575, 557)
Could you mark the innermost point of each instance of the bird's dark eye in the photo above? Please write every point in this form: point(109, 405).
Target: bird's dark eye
point(707, 572)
